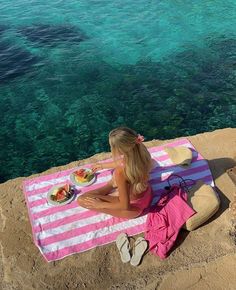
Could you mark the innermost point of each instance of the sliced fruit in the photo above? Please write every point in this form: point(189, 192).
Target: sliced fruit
point(53, 197)
point(83, 175)
point(80, 179)
point(66, 187)
point(81, 172)
point(90, 177)
point(60, 194)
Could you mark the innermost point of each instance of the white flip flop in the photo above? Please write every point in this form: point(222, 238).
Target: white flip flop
point(140, 247)
point(123, 245)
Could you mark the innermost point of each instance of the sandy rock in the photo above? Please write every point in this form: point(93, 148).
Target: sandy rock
point(202, 259)
point(218, 275)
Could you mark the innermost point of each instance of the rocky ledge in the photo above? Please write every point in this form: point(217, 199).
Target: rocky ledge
point(202, 259)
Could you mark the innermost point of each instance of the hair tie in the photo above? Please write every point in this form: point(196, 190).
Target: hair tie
point(139, 139)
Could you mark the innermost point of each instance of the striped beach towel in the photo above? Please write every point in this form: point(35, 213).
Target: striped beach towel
point(59, 231)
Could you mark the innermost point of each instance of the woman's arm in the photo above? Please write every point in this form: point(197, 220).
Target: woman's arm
point(121, 202)
point(107, 165)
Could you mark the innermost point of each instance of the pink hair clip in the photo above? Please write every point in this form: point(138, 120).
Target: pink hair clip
point(139, 139)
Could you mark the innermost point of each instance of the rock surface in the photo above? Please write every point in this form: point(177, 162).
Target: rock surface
point(202, 259)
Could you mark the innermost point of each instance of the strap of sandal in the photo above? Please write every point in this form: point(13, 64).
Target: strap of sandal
point(146, 251)
point(124, 244)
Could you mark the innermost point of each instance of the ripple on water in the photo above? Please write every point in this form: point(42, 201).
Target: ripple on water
point(3, 28)
point(15, 61)
point(51, 35)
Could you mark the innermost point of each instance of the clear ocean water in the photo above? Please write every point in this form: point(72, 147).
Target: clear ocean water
point(70, 71)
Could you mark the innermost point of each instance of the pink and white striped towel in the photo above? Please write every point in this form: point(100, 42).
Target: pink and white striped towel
point(60, 231)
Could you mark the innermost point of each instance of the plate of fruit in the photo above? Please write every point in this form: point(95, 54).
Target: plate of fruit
point(82, 177)
point(60, 194)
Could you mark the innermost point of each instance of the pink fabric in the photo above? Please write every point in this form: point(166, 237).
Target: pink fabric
point(145, 200)
point(59, 231)
point(165, 221)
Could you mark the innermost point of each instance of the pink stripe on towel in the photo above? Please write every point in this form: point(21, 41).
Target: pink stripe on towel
point(60, 231)
point(92, 243)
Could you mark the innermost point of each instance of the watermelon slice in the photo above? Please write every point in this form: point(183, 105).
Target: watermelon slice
point(61, 194)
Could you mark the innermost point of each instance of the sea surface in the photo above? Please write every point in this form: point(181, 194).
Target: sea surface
point(70, 71)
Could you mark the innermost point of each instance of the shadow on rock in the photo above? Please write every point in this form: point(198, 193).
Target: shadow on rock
point(220, 165)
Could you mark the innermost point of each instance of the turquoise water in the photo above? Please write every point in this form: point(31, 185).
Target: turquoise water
point(70, 71)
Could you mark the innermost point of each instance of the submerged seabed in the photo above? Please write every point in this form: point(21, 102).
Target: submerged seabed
point(65, 84)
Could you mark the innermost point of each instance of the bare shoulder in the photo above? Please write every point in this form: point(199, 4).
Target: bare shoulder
point(120, 173)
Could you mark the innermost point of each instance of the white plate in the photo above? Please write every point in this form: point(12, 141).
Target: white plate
point(72, 178)
point(53, 202)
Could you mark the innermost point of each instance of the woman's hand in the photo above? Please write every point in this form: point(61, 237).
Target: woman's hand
point(96, 167)
point(93, 202)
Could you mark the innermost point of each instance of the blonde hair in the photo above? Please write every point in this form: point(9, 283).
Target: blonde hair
point(137, 159)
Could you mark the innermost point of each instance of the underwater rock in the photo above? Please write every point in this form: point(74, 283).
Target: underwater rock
point(51, 35)
point(224, 46)
point(14, 61)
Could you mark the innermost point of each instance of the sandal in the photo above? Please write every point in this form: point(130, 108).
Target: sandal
point(140, 247)
point(123, 245)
